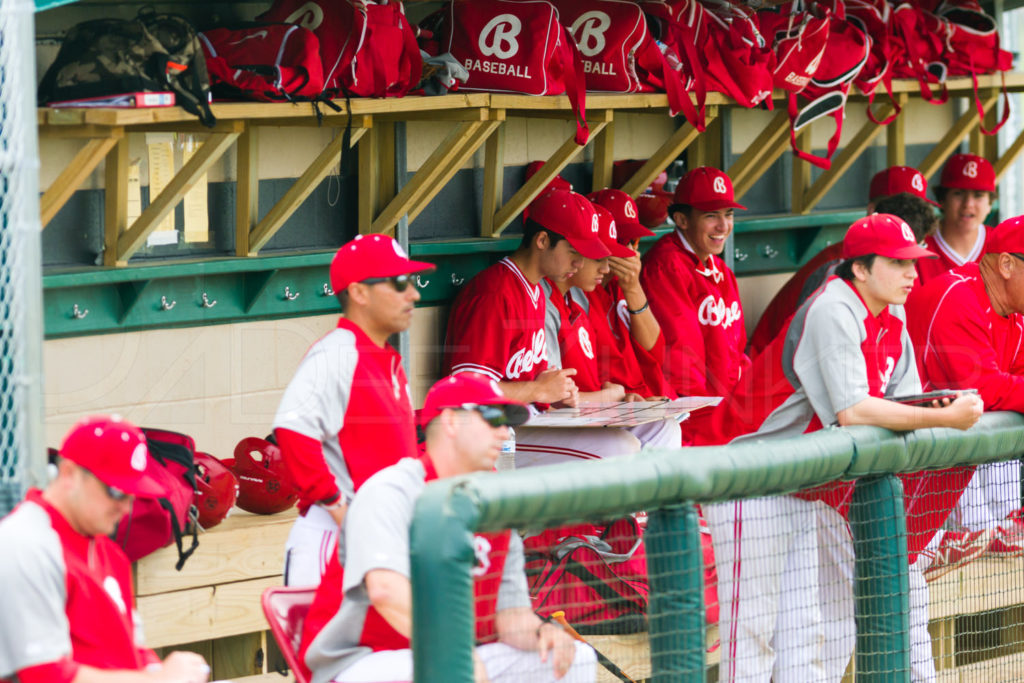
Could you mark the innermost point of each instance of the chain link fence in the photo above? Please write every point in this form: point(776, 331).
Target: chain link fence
point(21, 459)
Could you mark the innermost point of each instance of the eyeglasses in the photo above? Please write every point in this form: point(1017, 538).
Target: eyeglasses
point(399, 282)
point(492, 415)
point(115, 493)
point(1019, 256)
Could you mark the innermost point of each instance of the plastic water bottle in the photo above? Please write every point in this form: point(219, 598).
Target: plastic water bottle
point(507, 457)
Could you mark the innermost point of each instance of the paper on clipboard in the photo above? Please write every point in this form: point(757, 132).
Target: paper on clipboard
point(621, 413)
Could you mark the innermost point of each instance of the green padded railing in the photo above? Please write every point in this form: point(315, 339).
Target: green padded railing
point(667, 484)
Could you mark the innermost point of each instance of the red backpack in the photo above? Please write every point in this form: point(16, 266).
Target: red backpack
point(920, 40)
point(269, 62)
point(873, 18)
point(620, 55)
point(798, 36)
point(157, 522)
point(515, 46)
point(367, 49)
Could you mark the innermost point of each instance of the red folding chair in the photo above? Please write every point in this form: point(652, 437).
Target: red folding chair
point(286, 609)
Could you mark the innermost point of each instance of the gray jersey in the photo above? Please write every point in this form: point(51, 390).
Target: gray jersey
point(377, 537)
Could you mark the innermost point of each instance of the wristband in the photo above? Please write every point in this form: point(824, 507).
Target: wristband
point(333, 502)
point(639, 310)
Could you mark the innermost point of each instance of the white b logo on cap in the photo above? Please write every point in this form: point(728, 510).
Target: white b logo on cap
point(908, 234)
point(719, 185)
point(971, 169)
point(630, 210)
point(589, 30)
point(138, 461)
point(398, 250)
point(503, 43)
point(917, 182)
point(613, 232)
point(593, 224)
point(308, 16)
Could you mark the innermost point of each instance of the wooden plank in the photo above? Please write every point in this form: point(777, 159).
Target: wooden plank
point(708, 150)
point(1006, 669)
point(942, 149)
point(241, 655)
point(1012, 153)
point(762, 153)
point(801, 177)
point(458, 144)
point(896, 136)
point(841, 162)
point(665, 155)
point(385, 133)
point(631, 652)
point(74, 174)
point(494, 180)
point(272, 677)
point(247, 188)
point(212, 149)
point(369, 183)
point(604, 155)
point(242, 547)
point(986, 584)
point(186, 616)
point(115, 200)
point(539, 180)
point(943, 633)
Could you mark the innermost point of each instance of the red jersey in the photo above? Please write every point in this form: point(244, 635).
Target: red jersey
point(78, 594)
point(698, 308)
point(349, 399)
point(930, 268)
point(577, 341)
point(788, 299)
point(496, 326)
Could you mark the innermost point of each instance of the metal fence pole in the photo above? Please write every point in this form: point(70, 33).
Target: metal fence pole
point(22, 457)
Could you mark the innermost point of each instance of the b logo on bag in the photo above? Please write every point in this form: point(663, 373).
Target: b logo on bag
point(719, 185)
point(588, 30)
point(971, 169)
point(308, 16)
point(499, 37)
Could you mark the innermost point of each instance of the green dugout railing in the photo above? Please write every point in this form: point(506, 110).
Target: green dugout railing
point(667, 484)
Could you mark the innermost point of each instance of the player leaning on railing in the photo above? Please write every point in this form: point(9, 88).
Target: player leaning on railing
point(785, 564)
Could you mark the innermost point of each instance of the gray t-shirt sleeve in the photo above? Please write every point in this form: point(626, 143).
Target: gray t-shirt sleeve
point(33, 623)
point(552, 322)
point(513, 591)
point(829, 362)
point(315, 400)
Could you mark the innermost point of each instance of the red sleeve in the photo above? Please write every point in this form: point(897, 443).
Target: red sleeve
point(63, 670)
point(650, 366)
point(960, 354)
point(683, 360)
point(304, 458)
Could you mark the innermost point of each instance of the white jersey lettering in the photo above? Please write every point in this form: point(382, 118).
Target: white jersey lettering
point(482, 551)
point(714, 313)
point(523, 360)
point(588, 349)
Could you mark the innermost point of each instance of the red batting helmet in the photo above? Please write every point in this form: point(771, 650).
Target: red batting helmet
point(264, 486)
point(216, 490)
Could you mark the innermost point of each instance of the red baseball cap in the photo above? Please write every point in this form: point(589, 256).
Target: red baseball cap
point(624, 169)
point(1007, 237)
point(968, 172)
point(707, 189)
point(115, 451)
point(882, 234)
point(653, 208)
point(572, 216)
point(369, 256)
point(897, 179)
point(608, 232)
point(557, 183)
point(625, 212)
point(470, 389)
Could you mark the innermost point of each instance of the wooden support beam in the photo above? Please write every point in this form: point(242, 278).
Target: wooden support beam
point(664, 156)
point(212, 150)
point(762, 153)
point(539, 180)
point(369, 181)
point(494, 180)
point(842, 161)
point(801, 172)
point(115, 199)
point(1003, 163)
point(385, 134)
point(604, 155)
point(300, 189)
point(896, 136)
point(708, 149)
point(247, 189)
point(453, 151)
point(944, 147)
point(74, 174)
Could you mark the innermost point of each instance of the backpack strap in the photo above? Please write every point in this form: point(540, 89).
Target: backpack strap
point(571, 64)
point(981, 110)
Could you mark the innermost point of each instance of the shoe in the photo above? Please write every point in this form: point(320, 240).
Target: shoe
point(1007, 541)
point(956, 549)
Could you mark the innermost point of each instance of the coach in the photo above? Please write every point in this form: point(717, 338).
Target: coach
point(69, 613)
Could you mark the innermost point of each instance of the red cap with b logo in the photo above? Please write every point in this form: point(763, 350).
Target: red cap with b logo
point(882, 234)
point(968, 172)
point(572, 216)
point(706, 189)
point(607, 230)
point(625, 212)
point(897, 179)
point(370, 256)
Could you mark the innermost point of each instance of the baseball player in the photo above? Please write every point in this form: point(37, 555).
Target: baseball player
point(466, 419)
point(892, 181)
point(966, 191)
point(968, 333)
point(496, 327)
point(346, 413)
point(693, 293)
point(843, 353)
point(69, 610)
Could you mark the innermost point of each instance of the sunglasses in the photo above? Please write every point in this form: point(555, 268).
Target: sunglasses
point(115, 493)
point(1018, 256)
point(492, 415)
point(399, 282)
